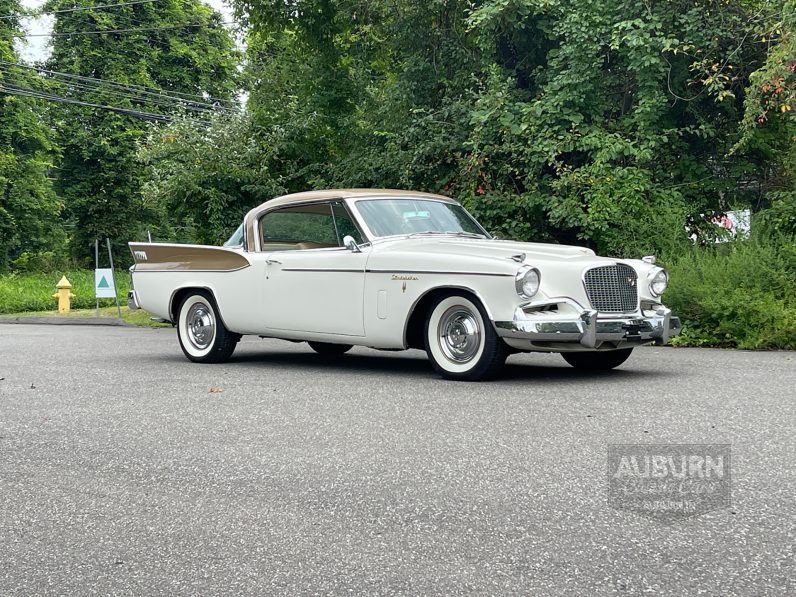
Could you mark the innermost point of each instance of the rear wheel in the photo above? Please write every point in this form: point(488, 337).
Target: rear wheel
point(461, 342)
point(597, 361)
point(330, 350)
point(202, 335)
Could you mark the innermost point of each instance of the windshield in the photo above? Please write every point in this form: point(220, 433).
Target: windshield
point(388, 217)
point(236, 240)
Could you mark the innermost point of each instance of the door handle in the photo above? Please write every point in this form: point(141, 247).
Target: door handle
point(272, 261)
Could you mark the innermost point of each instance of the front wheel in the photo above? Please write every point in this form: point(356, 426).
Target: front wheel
point(597, 361)
point(461, 342)
point(328, 349)
point(202, 335)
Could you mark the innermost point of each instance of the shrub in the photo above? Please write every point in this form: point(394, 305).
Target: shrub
point(740, 294)
point(44, 261)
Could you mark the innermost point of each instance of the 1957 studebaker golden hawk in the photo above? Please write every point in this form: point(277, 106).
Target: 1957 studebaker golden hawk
point(395, 270)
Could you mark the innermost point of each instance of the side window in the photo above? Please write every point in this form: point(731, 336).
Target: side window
point(345, 223)
point(300, 227)
point(237, 239)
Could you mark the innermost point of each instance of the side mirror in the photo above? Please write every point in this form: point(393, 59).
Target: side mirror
point(350, 244)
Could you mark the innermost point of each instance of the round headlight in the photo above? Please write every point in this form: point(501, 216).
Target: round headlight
point(659, 282)
point(527, 281)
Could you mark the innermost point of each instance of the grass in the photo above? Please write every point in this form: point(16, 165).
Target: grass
point(23, 292)
point(138, 318)
point(32, 294)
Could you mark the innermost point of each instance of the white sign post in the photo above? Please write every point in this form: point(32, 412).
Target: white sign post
point(103, 283)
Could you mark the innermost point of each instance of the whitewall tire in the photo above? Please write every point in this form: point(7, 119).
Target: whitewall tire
point(202, 335)
point(460, 340)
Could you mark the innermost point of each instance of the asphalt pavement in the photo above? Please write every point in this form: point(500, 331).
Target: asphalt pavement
point(127, 470)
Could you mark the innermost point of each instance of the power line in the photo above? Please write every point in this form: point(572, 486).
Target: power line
point(208, 101)
point(79, 8)
point(22, 91)
point(159, 40)
point(107, 31)
point(70, 88)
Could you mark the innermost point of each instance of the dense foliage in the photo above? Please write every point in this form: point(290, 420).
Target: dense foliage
point(29, 209)
point(98, 177)
point(626, 126)
point(610, 123)
point(208, 176)
point(736, 295)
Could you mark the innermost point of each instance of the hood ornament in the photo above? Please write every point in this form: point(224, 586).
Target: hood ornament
point(519, 257)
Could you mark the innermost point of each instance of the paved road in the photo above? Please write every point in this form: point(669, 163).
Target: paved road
point(122, 473)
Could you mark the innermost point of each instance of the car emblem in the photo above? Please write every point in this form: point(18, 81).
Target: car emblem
point(631, 281)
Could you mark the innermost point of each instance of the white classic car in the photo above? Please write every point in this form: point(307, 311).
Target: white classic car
point(396, 270)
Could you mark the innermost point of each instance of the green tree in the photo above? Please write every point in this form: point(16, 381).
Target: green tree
point(610, 123)
point(621, 129)
point(29, 209)
point(179, 47)
point(208, 177)
point(769, 124)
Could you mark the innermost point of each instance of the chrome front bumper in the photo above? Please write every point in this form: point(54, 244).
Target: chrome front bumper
point(589, 329)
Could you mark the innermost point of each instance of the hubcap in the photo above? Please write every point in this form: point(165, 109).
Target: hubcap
point(201, 327)
point(459, 334)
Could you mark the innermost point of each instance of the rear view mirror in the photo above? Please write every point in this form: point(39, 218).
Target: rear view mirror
point(350, 244)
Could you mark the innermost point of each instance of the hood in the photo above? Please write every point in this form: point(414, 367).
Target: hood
point(484, 254)
point(509, 248)
point(561, 266)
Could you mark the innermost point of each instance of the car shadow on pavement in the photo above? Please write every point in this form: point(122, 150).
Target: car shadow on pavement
point(537, 373)
point(415, 363)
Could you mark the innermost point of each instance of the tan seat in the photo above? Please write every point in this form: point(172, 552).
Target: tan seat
point(309, 245)
point(277, 247)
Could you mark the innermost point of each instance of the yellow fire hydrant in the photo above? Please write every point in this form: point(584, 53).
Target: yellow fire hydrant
point(64, 295)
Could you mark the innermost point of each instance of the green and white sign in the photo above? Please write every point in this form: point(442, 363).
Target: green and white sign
point(103, 283)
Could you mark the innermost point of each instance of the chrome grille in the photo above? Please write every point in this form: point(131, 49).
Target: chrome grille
point(612, 288)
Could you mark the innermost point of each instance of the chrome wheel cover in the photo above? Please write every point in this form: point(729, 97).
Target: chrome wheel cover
point(459, 334)
point(201, 325)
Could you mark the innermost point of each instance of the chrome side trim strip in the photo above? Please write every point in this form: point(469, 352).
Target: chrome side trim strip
point(414, 271)
point(138, 270)
point(320, 269)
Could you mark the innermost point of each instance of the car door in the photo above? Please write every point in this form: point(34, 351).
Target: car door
point(313, 283)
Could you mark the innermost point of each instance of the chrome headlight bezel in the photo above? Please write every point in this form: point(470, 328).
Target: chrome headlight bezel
point(527, 281)
point(658, 277)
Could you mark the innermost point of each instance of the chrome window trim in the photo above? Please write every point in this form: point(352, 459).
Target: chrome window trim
point(265, 211)
point(373, 237)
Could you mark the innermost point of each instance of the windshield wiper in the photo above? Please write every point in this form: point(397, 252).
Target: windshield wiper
point(411, 234)
point(448, 232)
point(467, 234)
